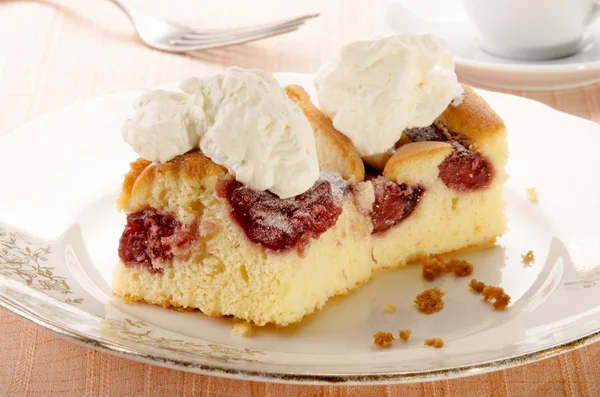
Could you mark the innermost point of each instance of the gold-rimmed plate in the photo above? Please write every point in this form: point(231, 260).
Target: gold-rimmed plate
point(59, 232)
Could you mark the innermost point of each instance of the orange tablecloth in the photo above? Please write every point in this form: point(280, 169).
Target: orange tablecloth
point(57, 52)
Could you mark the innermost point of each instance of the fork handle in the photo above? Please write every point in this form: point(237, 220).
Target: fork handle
point(125, 5)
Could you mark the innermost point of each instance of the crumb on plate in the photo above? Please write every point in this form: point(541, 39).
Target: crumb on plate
point(430, 301)
point(459, 267)
point(405, 334)
point(434, 342)
point(389, 309)
point(532, 195)
point(490, 293)
point(477, 286)
point(528, 257)
point(383, 339)
point(242, 329)
point(497, 294)
point(434, 266)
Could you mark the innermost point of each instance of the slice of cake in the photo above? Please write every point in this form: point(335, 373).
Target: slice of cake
point(196, 238)
point(436, 149)
point(455, 171)
point(250, 201)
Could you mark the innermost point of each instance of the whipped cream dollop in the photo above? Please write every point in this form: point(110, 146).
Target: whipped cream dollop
point(241, 119)
point(165, 125)
point(376, 89)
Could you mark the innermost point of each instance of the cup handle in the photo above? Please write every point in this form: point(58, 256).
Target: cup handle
point(594, 14)
point(434, 16)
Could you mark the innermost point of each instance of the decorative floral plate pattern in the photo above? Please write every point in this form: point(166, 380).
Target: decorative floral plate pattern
point(59, 232)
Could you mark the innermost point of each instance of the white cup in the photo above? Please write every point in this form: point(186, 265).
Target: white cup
point(532, 29)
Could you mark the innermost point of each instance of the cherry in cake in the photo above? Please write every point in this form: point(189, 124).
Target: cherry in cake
point(154, 237)
point(465, 169)
point(280, 224)
point(393, 203)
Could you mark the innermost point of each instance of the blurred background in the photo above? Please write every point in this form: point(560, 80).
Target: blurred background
point(57, 52)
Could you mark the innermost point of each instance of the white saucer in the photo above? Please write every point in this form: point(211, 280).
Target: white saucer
point(475, 66)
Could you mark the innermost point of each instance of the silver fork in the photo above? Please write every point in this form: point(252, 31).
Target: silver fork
point(166, 36)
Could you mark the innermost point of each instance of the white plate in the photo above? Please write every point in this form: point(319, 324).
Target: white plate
point(60, 177)
point(478, 67)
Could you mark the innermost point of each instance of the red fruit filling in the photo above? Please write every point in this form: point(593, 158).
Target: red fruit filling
point(464, 170)
point(280, 224)
point(393, 203)
point(153, 236)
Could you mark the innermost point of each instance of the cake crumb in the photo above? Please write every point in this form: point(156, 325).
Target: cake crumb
point(389, 309)
point(459, 267)
point(501, 299)
point(434, 342)
point(528, 257)
point(430, 301)
point(532, 195)
point(477, 286)
point(242, 329)
point(433, 267)
point(405, 334)
point(383, 339)
point(497, 294)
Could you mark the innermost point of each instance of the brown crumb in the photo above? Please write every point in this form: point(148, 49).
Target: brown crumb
point(434, 266)
point(434, 342)
point(501, 299)
point(502, 302)
point(383, 339)
point(405, 334)
point(477, 286)
point(532, 194)
point(528, 257)
point(490, 293)
point(430, 301)
point(389, 309)
point(497, 294)
point(242, 329)
point(461, 268)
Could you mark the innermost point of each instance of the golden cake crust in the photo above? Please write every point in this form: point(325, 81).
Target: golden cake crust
point(411, 152)
point(473, 118)
point(142, 175)
point(336, 152)
point(135, 169)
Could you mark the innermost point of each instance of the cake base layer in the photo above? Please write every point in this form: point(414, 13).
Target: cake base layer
point(228, 275)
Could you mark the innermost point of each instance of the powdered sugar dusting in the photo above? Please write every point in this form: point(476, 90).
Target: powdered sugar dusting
point(339, 186)
point(424, 134)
